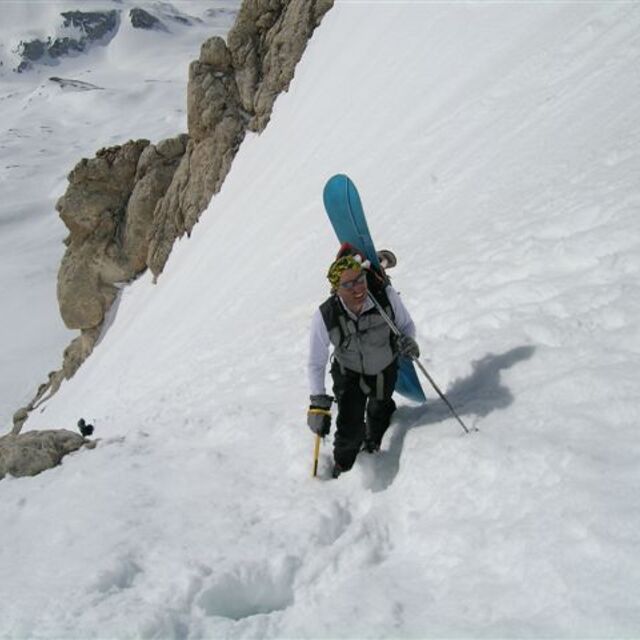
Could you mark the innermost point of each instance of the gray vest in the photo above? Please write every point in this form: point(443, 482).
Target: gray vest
point(364, 345)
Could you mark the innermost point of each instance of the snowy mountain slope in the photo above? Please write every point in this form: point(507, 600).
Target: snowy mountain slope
point(496, 150)
point(134, 87)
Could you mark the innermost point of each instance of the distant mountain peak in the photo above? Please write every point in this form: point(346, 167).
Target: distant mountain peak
point(85, 28)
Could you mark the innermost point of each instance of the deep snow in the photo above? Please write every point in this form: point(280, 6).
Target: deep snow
point(496, 150)
point(140, 79)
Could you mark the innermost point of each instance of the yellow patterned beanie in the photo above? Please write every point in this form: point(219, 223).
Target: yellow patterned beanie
point(339, 266)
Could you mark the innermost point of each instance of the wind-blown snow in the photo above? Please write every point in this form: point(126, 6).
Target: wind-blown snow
point(139, 91)
point(496, 148)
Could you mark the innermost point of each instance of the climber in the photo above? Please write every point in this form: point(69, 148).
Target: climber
point(365, 357)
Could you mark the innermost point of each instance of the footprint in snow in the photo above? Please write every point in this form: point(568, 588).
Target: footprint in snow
point(250, 589)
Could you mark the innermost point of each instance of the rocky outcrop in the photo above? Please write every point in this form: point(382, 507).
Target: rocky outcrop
point(93, 209)
point(74, 355)
point(93, 27)
point(109, 210)
point(69, 84)
point(141, 19)
point(266, 43)
point(126, 207)
point(33, 452)
point(231, 90)
point(216, 129)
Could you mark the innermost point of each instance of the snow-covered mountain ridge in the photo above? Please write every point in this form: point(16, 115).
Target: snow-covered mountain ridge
point(496, 150)
point(52, 116)
point(50, 33)
point(125, 207)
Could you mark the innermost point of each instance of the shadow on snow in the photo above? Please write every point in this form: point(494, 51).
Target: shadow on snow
point(477, 395)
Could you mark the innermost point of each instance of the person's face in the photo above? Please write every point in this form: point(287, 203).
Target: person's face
point(353, 288)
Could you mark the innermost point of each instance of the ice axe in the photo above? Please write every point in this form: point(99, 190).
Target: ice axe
point(396, 332)
point(316, 455)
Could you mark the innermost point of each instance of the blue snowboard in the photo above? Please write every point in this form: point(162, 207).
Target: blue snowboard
point(343, 206)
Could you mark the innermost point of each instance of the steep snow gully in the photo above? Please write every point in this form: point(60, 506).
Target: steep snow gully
point(496, 148)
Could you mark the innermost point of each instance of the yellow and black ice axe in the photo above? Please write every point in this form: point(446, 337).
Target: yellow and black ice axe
point(316, 455)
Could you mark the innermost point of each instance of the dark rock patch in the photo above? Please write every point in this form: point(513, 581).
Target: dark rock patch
point(141, 19)
point(94, 26)
point(74, 85)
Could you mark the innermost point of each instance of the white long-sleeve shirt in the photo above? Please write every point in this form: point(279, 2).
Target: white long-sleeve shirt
point(320, 343)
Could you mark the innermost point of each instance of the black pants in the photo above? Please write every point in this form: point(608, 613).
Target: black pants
point(361, 414)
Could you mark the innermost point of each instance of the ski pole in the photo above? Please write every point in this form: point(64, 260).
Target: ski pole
point(316, 455)
point(396, 331)
point(441, 394)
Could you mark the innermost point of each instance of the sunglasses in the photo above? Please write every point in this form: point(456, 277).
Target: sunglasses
point(349, 284)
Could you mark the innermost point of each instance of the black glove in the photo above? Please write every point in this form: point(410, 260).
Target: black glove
point(408, 347)
point(319, 414)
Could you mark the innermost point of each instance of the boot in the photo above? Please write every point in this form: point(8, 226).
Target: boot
point(336, 471)
point(370, 445)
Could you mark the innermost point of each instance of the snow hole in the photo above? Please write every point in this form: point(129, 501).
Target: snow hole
point(250, 590)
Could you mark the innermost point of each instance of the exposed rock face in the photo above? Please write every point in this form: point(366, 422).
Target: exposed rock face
point(68, 84)
point(156, 169)
point(231, 89)
point(266, 43)
point(108, 208)
point(33, 452)
point(126, 207)
point(93, 208)
point(95, 26)
point(216, 127)
point(141, 19)
point(33, 50)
